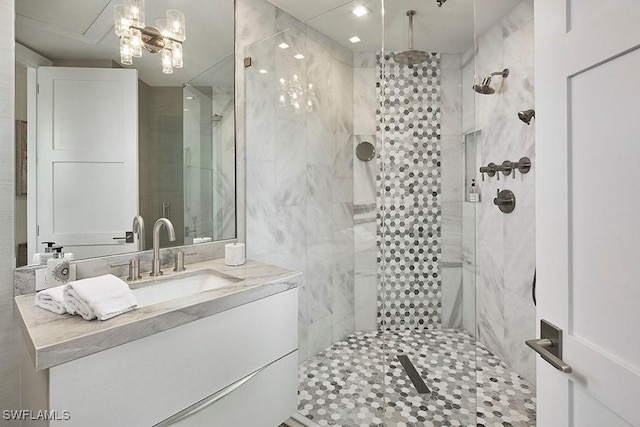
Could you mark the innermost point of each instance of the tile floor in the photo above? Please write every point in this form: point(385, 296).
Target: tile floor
point(342, 386)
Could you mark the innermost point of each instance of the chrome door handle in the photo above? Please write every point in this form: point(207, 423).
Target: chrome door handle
point(549, 346)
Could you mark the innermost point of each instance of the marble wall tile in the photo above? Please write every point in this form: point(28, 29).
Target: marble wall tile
point(468, 98)
point(320, 281)
point(257, 21)
point(364, 59)
point(342, 95)
point(365, 316)
point(469, 298)
point(9, 372)
point(320, 335)
point(450, 61)
point(364, 100)
point(451, 95)
point(451, 232)
point(451, 160)
point(285, 21)
point(519, 17)
point(290, 163)
point(300, 169)
point(505, 247)
point(303, 323)
point(452, 309)
point(343, 156)
point(344, 327)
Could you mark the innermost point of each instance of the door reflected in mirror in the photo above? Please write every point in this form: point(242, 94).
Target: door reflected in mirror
point(114, 141)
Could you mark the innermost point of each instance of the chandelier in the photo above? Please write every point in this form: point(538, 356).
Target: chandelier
point(165, 37)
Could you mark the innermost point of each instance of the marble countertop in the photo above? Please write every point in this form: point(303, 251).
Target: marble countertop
point(53, 339)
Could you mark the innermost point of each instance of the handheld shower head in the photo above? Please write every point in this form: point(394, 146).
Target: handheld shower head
point(484, 88)
point(527, 115)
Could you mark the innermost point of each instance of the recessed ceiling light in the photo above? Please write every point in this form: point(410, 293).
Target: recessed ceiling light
point(283, 46)
point(355, 39)
point(189, 97)
point(361, 11)
point(263, 71)
point(298, 56)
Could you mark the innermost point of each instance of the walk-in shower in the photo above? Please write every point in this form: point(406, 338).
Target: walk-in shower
point(405, 296)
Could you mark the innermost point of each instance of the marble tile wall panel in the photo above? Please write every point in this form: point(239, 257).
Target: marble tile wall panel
point(469, 267)
point(505, 243)
point(9, 371)
point(364, 94)
point(468, 95)
point(365, 275)
point(451, 94)
point(452, 310)
point(299, 168)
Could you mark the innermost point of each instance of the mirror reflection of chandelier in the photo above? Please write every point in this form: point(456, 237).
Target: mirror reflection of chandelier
point(166, 36)
point(293, 93)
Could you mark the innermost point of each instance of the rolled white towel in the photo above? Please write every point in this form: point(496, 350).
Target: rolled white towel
point(52, 299)
point(103, 297)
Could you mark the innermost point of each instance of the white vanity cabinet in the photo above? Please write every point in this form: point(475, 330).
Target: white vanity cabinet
point(232, 369)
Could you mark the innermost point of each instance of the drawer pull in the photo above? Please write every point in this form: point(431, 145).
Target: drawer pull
point(199, 406)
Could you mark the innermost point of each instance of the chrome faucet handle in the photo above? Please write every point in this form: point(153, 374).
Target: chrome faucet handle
point(179, 260)
point(134, 268)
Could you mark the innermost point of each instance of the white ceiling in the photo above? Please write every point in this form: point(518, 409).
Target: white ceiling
point(446, 29)
point(83, 29)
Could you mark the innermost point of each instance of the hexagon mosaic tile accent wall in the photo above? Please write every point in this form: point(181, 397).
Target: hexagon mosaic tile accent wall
point(409, 195)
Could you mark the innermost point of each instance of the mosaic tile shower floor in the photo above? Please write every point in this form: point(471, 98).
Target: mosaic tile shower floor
point(342, 386)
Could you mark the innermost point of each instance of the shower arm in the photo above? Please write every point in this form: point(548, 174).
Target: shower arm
point(410, 15)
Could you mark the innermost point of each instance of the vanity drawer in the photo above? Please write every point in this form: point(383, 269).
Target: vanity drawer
point(264, 398)
point(148, 380)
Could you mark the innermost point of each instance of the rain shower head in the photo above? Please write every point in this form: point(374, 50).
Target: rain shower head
point(411, 56)
point(485, 88)
point(526, 116)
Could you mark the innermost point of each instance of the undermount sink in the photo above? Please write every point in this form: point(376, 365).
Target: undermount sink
point(168, 288)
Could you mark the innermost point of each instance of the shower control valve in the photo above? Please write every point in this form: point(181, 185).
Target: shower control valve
point(490, 170)
point(523, 165)
point(506, 168)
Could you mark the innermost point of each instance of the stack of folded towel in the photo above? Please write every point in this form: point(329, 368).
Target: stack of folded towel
point(100, 297)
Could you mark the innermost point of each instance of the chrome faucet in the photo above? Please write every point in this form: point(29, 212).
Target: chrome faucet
point(138, 227)
point(155, 262)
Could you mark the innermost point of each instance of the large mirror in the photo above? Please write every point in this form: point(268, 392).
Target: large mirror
point(108, 130)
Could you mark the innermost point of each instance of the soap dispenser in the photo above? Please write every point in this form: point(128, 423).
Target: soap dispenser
point(43, 257)
point(58, 268)
point(474, 196)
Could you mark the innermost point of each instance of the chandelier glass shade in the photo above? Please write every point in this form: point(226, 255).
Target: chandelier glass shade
point(166, 37)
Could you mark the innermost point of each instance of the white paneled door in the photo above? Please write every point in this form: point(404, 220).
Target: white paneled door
point(87, 158)
point(588, 208)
